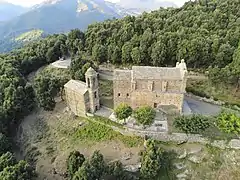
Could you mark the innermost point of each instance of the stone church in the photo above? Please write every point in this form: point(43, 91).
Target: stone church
point(81, 97)
point(152, 86)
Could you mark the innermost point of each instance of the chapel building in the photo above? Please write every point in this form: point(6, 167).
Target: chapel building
point(81, 97)
point(151, 86)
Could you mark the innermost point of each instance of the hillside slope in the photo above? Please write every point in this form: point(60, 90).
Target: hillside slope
point(204, 33)
point(9, 11)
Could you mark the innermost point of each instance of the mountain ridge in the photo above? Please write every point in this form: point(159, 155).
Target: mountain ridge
point(9, 10)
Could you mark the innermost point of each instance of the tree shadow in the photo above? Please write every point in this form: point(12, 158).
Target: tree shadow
point(167, 167)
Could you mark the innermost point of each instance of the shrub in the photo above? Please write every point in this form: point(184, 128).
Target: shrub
point(229, 123)
point(151, 161)
point(96, 168)
point(74, 162)
point(192, 124)
point(123, 111)
point(4, 144)
point(145, 115)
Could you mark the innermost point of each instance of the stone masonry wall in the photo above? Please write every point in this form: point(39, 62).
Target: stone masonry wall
point(181, 137)
point(141, 98)
point(76, 102)
point(122, 92)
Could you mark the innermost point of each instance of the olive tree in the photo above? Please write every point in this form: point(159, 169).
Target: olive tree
point(144, 115)
point(123, 111)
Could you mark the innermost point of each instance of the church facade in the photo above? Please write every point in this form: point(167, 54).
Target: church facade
point(152, 86)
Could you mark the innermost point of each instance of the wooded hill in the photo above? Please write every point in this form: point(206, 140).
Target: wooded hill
point(205, 33)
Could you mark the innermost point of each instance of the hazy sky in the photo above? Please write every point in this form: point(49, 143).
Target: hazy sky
point(32, 2)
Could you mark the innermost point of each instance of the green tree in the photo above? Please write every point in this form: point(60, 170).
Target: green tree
point(52, 55)
point(5, 145)
point(136, 56)
point(117, 55)
point(74, 162)
point(144, 115)
point(159, 54)
point(47, 85)
point(151, 161)
point(126, 53)
point(79, 66)
point(7, 160)
point(96, 168)
point(92, 169)
point(99, 53)
point(20, 171)
point(123, 111)
point(45, 88)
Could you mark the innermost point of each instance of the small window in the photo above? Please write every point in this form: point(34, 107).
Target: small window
point(127, 95)
point(94, 81)
point(88, 82)
point(155, 105)
point(95, 95)
point(119, 94)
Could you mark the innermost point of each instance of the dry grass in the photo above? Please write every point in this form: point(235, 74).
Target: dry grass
point(49, 137)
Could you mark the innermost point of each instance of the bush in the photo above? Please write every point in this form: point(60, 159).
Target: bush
point(4, 144)
point(96, 168)
point(229, 123)
point(145, 115)
point(123, 111)
point(192, 124)
point(151, 161)
point(74, 161)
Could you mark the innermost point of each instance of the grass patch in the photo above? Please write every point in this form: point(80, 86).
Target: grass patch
point(50, 150)
point(93, 132)
point(217, 160)
point(32, 155)
point(213, 133)
point(108, 122)
point(204, 88)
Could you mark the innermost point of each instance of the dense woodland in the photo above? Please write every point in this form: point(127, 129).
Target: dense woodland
point(205, 33)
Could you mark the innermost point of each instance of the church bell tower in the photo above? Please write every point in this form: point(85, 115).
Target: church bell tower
point(93, 89)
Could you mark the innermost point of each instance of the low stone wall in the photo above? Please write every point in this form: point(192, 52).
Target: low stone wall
point(181, 137)
point(178, 137)
point(208, 100)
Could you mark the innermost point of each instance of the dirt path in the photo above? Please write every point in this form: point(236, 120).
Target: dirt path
point(45, 138)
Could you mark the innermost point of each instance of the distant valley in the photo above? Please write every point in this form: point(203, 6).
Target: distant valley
point(60, 16)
